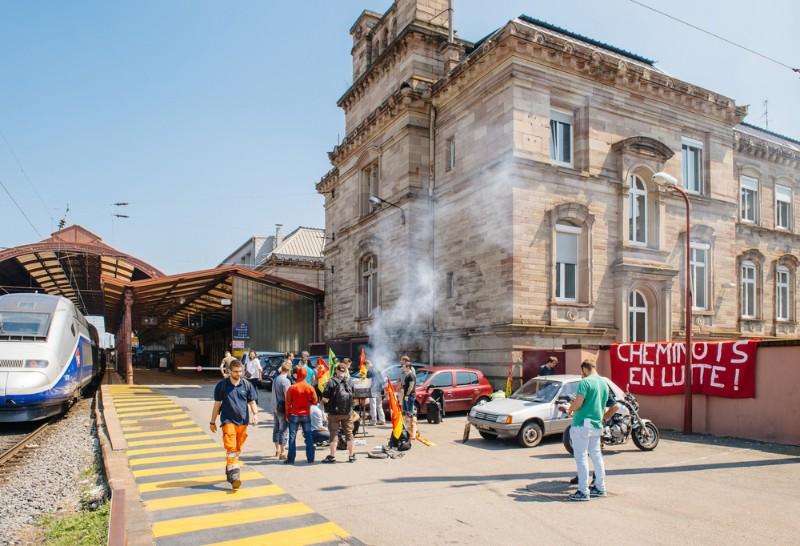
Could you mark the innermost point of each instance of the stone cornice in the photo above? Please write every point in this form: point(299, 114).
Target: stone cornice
point(569, 55)
point(387, 60)
point(328, 181)
point(397, 103)
point(763, 149)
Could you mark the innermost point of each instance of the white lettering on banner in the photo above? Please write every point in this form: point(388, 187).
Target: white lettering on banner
point(648, 376)
point(632, 380)
point(645, 360)
point(673, 381)
point(619, 352)
point(742, 355)
point(714, 376)
point(719, 352)
point(703, 346)
point(665, 349)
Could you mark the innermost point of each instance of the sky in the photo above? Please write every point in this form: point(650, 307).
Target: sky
point(213, 119)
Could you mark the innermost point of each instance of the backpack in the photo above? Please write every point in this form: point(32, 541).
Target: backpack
point(341, 400)
point(400, 444)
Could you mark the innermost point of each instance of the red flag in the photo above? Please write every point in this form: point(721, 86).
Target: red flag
point(362, 364)
point(397, 414)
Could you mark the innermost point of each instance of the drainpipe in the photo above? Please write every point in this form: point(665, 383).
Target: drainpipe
point(432, 212)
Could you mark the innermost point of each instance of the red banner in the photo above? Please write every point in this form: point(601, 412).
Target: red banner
point(723, 368)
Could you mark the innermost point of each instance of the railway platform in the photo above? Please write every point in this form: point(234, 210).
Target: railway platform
point(176, 481)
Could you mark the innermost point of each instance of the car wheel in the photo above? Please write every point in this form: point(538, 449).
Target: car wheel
point(530, 435)
point(487, 435)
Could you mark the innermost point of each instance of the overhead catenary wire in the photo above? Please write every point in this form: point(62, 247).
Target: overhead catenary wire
point(20, 208)
point(25, 175)
point(717, 36)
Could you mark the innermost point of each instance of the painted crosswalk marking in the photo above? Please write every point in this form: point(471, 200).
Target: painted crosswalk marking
point(179, 468)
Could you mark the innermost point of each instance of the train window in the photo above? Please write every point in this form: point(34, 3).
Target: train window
point(14, 323)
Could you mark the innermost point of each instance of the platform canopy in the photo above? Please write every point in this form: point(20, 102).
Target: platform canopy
point(186, 302)
point(70, 263)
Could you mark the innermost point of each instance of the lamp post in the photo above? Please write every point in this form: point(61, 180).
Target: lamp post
point(375, 200)
point(669, 182)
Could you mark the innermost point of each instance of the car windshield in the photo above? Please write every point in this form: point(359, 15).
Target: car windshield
point(13, 323)
point(538, 390)
point(422, 376)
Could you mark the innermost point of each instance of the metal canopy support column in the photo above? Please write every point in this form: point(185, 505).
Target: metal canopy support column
point(125, 334)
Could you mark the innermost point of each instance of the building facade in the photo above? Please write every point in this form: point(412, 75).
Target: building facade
point(517, 207)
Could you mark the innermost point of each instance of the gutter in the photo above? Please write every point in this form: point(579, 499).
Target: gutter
point(432, 209)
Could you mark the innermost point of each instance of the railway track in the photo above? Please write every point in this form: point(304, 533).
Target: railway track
point(15, 439)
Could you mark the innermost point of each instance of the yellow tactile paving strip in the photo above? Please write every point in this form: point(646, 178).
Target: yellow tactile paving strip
point(179, 470)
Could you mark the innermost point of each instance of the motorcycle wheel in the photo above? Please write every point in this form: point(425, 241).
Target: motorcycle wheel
point(646, 437)
point(566, 440)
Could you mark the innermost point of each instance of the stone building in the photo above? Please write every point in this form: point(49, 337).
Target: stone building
point(519, 169)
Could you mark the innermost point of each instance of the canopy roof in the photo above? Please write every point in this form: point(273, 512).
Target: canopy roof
point(69, 263)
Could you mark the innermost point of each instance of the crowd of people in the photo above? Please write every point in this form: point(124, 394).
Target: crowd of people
point(320, 404)
point(323, 408)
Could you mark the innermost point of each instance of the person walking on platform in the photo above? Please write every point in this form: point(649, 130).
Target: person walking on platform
point(235, 402)
point(299, 399)
point(252, 370)
point(226, 361)
point(280, 430)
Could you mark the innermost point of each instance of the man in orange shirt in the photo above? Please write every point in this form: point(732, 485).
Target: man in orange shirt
point(299, 399)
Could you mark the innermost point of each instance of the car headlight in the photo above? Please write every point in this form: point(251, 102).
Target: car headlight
point(507, 419)
point(472, 412)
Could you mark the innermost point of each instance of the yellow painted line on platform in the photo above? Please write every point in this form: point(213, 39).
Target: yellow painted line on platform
point(171, 449)
point(223, 519)
point(173, 432)
point(158, 411)
point(166, 470)
point(166, 417)
point(161, 441)
point(314, 534)
point(140, 407)
point(183, 423)
point(186, 457)
point(213, 497)
point(191, 482)
point(131, 429)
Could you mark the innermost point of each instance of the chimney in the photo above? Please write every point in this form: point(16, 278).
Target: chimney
point(278, 236)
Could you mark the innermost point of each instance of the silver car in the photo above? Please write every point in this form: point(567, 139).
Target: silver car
point(532, 412)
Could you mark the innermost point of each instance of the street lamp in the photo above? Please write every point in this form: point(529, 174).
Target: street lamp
point(669, 182)
point(375, 200)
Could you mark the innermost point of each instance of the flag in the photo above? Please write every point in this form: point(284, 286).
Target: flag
point(325, 375)
point(362, 364)
point(509, 380)
point(397, 414)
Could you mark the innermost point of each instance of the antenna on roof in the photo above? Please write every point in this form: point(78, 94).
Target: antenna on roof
point(765, 115)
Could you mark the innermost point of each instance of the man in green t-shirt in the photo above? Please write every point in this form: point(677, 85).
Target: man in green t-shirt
point(588, 410)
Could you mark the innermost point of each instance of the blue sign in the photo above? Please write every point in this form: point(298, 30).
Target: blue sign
point(241, 331)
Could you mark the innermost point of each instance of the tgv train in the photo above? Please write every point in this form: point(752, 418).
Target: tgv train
point(48, 355)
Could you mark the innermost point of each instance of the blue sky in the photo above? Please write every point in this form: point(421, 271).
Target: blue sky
point(214, 119)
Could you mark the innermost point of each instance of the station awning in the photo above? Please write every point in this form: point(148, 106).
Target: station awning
point(185, 302)
point(69, 263)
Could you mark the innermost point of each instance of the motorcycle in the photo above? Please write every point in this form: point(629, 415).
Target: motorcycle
point(626, 422)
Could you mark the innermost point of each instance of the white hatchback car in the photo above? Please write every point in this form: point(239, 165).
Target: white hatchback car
point(532, 411)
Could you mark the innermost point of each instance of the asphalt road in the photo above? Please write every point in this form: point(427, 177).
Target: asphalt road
point(698, 490)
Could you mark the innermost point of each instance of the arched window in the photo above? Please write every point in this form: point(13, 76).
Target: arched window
point(368, 285)
point(783, 292)
point(748, 283)
point(637, 316)
point(637, 211)
point(567, 243)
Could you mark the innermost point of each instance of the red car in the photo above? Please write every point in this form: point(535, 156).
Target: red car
point(462, 388)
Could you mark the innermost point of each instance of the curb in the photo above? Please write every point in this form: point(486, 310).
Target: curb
point(128, 523)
